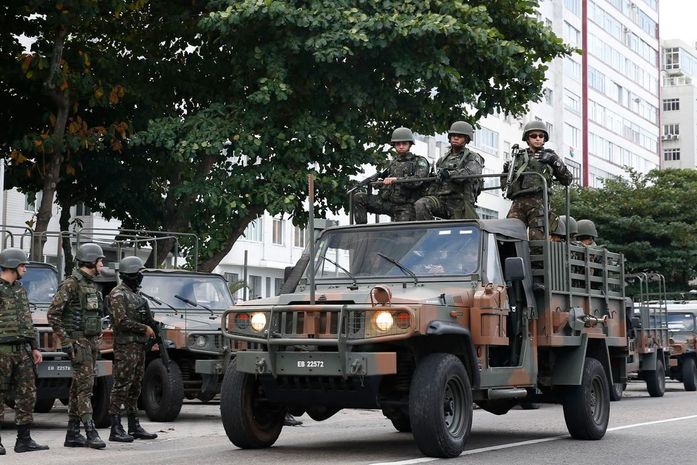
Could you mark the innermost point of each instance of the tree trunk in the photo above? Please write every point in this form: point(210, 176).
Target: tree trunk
point(52, 171)
point(211, 262)
point(65, 240)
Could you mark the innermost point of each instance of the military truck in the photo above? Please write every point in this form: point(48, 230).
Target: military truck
point(682, 327)
point(54, 373)
point(188, 305)
point(424, 319)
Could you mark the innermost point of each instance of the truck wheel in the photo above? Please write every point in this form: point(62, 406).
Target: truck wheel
point(249, 421)
point(587, 407)
point(616, 391)
point(163, 391)
point(401, 422)
point(44, 405)
point(689, 374)
point(101, 397)
point(440, 405)
point(656, 380)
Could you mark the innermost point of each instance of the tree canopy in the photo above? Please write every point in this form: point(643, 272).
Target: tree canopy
point(649, 218)
point(231, 103)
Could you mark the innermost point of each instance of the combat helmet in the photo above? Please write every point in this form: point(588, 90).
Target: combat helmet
point(402, 135)
point(560, 230)
point(571, 225)
point(587, 228)
point(535, 125)
point(131, 265)
point(89, 253)
point(12, 258)
point(461, 127)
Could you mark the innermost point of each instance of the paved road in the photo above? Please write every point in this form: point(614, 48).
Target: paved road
point(643, 430)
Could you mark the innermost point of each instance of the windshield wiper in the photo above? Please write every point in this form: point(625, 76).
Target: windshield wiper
point(403, 268)
point(354, 286)
point(193, 303)
point(158, 301)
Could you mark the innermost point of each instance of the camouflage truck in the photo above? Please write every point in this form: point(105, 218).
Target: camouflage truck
point(54, 373)
point(188, 306)
point(424, 319)
point(648, 345)
point(682, 327)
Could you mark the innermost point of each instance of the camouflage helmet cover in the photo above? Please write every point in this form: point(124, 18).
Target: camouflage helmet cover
point(571, 224)
point(461, 127)
point(131, 265)
point(402, 135)
point(12, 258)
point(560, 228)
point(587, 228)
point(535, 125)
point(89, 253)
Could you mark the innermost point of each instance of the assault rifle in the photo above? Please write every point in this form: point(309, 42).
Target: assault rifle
point(146, 317)
point(515, 152)
point(373, 178)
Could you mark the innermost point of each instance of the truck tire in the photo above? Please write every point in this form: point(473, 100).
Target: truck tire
point(401, 422)
point(44, 405)
point(656, 380)
point(689, 374)
point(163, 391)
point(101, 397)
point(587, 407)
point(249, 422)
point(616, 391)
point(440, 405)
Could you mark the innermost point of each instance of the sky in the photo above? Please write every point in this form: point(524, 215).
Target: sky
point(677, 20)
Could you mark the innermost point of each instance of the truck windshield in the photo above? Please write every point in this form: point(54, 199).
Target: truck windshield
point(41, 283)
point(423, 250)
point(681, 322)
point(208, 291)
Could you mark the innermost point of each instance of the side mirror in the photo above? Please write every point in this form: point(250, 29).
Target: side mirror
point(514, 269)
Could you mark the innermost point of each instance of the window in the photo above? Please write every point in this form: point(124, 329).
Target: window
point(575, 169)
point(572, 101)
point(671, 154)
point(548, 95)
point(671, 104)
point(487, 214)
point(671, 58)
point(231, 277)
point(572, 69)
point(671, 129)
point(82, 210)
point(596, 79)
point(254, 286)
point(571, 35)
point(574, 6)
point(253, 232)
point(278, 284)
point(268, 287)
point(550, 129)
point(486, 140)
point(279, 226)
point(572, 136)
point(298, 236)
point(32, 201)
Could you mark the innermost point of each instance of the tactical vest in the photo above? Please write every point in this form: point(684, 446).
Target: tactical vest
point(528, 184)
point(468, 189)
point(82, 315)
point(16, 325)
point(137, 310)
point(405, 166)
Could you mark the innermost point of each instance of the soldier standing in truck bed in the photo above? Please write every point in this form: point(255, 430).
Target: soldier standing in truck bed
point(18, 351)
point(395, 199)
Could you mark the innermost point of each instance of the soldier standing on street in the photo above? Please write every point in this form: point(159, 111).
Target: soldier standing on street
point(396, 200)
point(18, 351)
point(454, 198)
point(130, 319)
point(75, 315)
point(526, 191)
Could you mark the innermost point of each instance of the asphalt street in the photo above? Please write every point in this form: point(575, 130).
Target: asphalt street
point(643, 430)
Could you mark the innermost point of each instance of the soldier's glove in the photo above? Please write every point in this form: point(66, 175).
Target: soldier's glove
point(548, 156)
point(443, 175)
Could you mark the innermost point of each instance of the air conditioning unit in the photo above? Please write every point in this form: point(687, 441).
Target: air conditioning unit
point(665, 137)
point(674, 136)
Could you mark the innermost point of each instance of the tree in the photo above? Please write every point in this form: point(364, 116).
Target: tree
point(648, 217)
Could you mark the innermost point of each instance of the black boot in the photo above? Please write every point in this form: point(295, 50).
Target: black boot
point(24, 441)
point(117, 432)
point(73, 438)
point(93, 439)
point(2, 448)
point(290, 420)
point(137, 431)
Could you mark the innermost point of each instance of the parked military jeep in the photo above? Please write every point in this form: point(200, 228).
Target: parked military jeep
point(54, 373)
point(424, 319)
point(682, 326)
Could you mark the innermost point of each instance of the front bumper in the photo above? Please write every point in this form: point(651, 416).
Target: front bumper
point(317, 363)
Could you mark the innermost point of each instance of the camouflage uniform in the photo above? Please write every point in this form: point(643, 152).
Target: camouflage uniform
point(75, 315)
point(526, 190)
point(17, 340)
point(129, 322)
point(453, 198)
point(396, 200)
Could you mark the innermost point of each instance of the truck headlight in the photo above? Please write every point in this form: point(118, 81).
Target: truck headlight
point(383, 321)
point(201, 341)
point(258, 321)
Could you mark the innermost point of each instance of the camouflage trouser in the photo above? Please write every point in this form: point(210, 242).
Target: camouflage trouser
point(83, 363)
point(530, 210)
point(427, 208)
point(364, 203)
point(17, 373)
point(129, 365)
